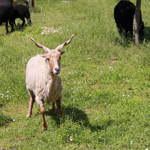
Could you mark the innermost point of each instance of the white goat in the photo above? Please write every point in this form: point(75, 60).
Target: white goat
point(43, 81)
point(29, 3)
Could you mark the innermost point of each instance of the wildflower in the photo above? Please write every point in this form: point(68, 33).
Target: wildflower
point(71, 138)
point(51, 30)
point(45, 131)
point(65, 1)
point(110, 68)
point(14, 120)
point(123, 95)
point(131, 142)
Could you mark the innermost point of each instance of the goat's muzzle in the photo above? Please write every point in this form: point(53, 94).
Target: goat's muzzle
point(56, 70)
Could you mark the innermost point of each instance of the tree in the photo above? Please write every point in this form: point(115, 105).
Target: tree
point(136, 20)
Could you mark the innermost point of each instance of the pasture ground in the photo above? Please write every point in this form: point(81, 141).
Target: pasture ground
point(106, 79)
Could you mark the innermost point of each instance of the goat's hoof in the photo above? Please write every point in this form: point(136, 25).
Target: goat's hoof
point(28, 115)
point(44, 127)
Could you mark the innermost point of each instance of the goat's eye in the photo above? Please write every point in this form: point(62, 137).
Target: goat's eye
point(48, 59)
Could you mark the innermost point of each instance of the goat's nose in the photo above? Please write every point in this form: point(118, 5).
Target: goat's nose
point(57, 70)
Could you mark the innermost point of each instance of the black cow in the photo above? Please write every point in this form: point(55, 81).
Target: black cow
point(6, 13)
point(22, 12)
point(123, 13)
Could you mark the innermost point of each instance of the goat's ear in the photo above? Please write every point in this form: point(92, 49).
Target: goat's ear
point(63, 52)
point(44, 55)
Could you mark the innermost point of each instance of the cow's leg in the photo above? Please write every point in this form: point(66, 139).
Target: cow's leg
point(27, 16)
point(23, 21)
point(32, 100)
point(12, 22)
point(29, 21)
point(119, 29)
point(44, 127)
point(7, 27)
point(58, 102)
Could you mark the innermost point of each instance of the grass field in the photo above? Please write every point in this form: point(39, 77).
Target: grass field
point(106, 80)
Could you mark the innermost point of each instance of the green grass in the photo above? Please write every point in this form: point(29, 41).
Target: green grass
point(106, 80)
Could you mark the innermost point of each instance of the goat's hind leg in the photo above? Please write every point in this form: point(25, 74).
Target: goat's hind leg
point(53, 108)
point(32, 100)
point(58, 102)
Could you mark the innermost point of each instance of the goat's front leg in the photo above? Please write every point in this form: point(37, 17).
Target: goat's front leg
point(58, 102)
point(44, 127)
point(32, 100)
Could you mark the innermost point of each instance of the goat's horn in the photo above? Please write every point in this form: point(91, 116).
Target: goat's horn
point(40, 46)
point(58, 48)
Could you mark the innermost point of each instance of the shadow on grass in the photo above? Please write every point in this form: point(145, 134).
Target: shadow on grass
point(19, 27)
point(78, 116)
point(125, 42)
point(4, 119)
point(147, 34)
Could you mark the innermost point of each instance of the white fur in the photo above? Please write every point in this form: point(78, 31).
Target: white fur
point(42, 81)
